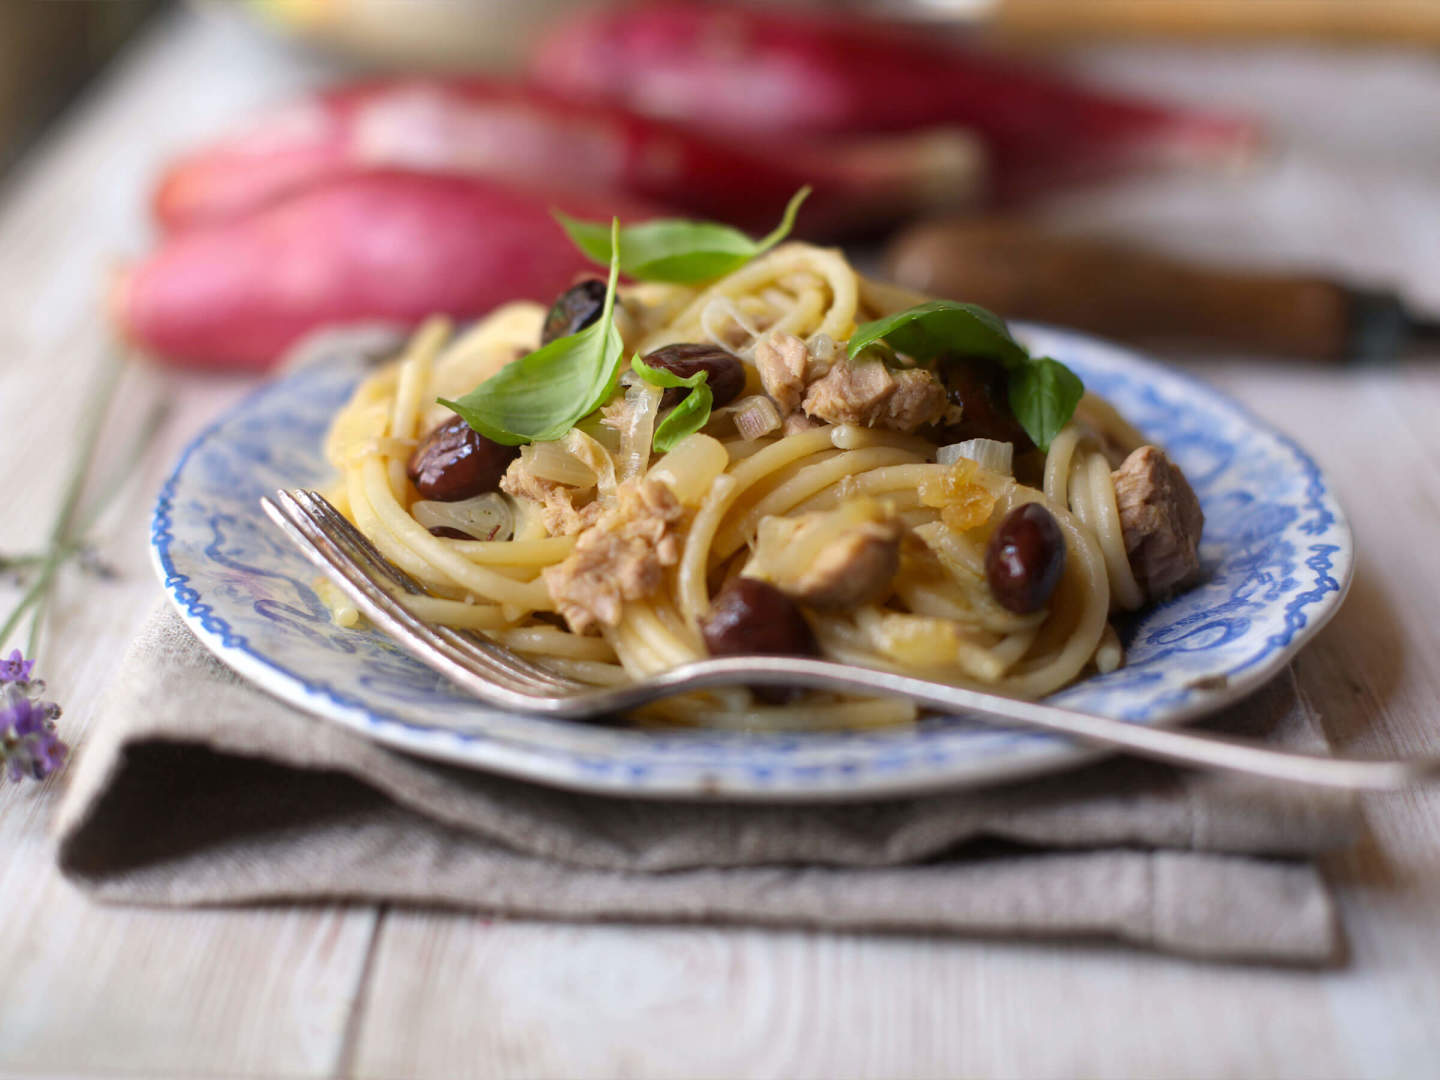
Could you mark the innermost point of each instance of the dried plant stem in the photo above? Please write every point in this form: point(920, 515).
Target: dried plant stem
point(92, 420)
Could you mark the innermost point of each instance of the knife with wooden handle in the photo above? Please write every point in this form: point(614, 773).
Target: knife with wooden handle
point(1022, 271)
point(1349, 22)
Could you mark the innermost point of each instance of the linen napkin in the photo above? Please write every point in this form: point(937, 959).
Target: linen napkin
point(196, 788)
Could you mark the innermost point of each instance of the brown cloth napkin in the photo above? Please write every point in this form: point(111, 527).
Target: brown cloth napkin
point(196, 788)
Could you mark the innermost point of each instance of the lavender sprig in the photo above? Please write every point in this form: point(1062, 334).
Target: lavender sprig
point(29, 746)
point(15, 668)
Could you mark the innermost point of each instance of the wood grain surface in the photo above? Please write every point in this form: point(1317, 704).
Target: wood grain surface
point(382, 992)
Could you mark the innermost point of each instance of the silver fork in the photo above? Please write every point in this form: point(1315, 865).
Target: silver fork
point(500, 677)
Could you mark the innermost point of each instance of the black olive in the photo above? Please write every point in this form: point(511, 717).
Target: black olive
point(456, 462)
point(749, 618)
point(981, 388)
point(576, 308)
point(1025, 558)
point(725, 375)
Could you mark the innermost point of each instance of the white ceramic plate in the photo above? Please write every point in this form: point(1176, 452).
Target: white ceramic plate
point(1277, 554)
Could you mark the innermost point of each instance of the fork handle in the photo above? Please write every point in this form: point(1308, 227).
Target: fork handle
point(1172, 745)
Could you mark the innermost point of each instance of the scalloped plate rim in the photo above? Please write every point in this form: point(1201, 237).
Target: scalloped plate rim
point(538, 764)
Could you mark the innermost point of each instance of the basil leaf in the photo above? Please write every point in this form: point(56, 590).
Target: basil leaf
point(1043, 396)
point(1043, 392)
point(690, 415)
point(940, 327)
point(539, 397)
point(677, 250)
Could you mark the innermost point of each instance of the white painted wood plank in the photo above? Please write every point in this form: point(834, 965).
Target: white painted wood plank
point(527, 999)
point(89, 990)
point(95, 991)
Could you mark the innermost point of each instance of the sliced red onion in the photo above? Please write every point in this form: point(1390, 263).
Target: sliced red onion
point(756, 416)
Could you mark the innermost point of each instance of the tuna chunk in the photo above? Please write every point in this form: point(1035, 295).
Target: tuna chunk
point(781, 362)
point(798, 422)
point(834, 560)
point(1161, 519)
point(556, 501)
point(854, 569)
point(919, 399)
point(867, 392)
point(836, 390)
point(621, 557)
point(851, 392)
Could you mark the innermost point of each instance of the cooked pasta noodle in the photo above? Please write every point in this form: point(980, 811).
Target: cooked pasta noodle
point(937, 617)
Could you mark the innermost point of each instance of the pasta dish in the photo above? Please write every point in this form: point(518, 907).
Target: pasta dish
point(786, 458)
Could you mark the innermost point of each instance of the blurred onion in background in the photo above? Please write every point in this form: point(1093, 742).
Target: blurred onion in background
point(464, 122)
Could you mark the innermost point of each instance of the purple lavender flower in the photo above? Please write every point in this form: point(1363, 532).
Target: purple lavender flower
point(28, 743)
point(16, 668)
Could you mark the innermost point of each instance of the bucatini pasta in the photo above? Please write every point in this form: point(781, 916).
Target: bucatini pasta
point(878, 510)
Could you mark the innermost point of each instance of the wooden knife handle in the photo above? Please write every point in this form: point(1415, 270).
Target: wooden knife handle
point(1023, 272)
point(1411, 22)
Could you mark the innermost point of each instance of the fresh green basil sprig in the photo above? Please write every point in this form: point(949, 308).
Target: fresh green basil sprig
point(693, 411)
point(1043, 392)
point(677, 250)
point(539, 397)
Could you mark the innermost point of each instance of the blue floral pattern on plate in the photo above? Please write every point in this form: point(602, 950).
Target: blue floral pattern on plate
point(1277, 554)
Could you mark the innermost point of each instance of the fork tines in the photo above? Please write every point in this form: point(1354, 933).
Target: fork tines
point(370, 579)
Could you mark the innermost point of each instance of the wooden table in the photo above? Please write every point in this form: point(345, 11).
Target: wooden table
point(379, 991)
